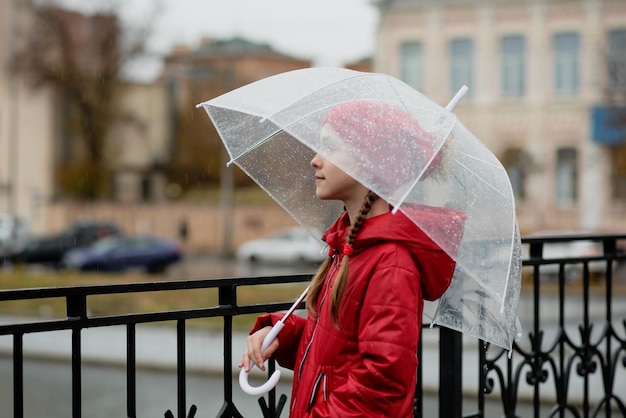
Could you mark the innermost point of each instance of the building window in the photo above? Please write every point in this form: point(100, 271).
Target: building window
point(566, 63)
point(512, 52)
point(461, 64)
point(617, 60)
point(146, 189)
point(516, 162)
point(566, 176)
point(411, 65)
point(618, 172)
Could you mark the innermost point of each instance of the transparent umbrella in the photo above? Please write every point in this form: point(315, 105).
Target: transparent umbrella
point(410, 151)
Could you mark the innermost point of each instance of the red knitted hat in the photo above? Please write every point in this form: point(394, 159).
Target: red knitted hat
point(389, 134)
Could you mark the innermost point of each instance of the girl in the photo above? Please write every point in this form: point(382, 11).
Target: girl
point(355, 355)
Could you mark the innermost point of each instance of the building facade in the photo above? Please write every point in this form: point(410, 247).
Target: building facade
point(27, 124)
point(35, 144)
point(202, 72)
point(216, 66)
point(540, 74)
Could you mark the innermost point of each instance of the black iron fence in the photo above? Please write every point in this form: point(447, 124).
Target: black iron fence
point(569, 362)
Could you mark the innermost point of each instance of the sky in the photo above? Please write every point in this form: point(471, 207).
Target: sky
point(327, 32)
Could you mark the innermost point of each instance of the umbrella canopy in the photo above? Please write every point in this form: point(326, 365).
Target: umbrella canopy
point(409, 151)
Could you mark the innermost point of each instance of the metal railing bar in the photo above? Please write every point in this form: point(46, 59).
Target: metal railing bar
point(450, 373)
point(572, 238)
point(76, 374)
point(131, 371)
point(227, 297)
point(109, 289)
point(181, 368)
point(18, 375)
point(138, 318)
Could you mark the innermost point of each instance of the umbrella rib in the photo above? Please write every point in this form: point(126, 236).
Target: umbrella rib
point(253, 147)
point(269, 117)
point(477, 159)
point(482, 180)
point(501, 194)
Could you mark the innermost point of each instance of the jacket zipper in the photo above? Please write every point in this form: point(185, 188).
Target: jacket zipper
point(321, 378)
point(319, 309)
point(306, 352)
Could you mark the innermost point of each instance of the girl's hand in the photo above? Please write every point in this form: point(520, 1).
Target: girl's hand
point(253, 352)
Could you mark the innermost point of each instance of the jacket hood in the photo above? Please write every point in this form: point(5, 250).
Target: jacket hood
point(436, 265)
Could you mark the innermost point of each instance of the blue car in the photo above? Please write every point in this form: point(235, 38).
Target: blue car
point(116, 254)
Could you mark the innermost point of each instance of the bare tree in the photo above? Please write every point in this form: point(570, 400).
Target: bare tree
point(80, 57)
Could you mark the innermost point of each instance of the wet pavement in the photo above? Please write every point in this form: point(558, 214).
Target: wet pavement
point(48, 384)
point(48, 393)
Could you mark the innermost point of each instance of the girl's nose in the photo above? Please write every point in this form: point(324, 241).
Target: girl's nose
point(315, 162)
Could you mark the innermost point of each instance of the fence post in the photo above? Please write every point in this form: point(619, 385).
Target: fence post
point(450, 373)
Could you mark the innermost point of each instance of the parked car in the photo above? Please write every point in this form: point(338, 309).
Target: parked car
point(291, 245)
point(51, 249)
point(14, 233)
point(119, 253)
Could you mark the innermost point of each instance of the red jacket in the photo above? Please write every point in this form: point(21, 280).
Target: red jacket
point(367, 366)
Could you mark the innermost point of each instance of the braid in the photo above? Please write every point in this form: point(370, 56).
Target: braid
point(342, 276)
point(358, 223)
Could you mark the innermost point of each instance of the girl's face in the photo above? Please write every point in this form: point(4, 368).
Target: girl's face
point(332, 183)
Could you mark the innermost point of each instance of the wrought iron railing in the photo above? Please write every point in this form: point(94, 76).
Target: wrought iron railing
point(572, 357)
point(570, 361)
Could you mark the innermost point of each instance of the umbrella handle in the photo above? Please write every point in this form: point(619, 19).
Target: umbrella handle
point(273, 380)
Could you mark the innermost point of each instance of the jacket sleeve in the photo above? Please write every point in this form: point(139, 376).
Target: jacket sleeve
point(388, 334)
point(288, 338)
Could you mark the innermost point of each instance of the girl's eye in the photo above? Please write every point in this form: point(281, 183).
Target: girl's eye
point(328, 145)
point(330, 148)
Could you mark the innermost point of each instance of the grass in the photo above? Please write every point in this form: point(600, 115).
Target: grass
point(119, 304)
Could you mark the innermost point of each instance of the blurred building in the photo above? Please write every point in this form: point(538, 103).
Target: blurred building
point(150, 143)
point(196, 74)
point(364, 64)
point(138, 143)
point(546, 80)
point(216, 66)
point(27, 124)
point(36, 146)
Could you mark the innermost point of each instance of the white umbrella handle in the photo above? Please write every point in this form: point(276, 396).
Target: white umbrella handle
point(457, 98)
point(273, 380)
point(271, 336)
